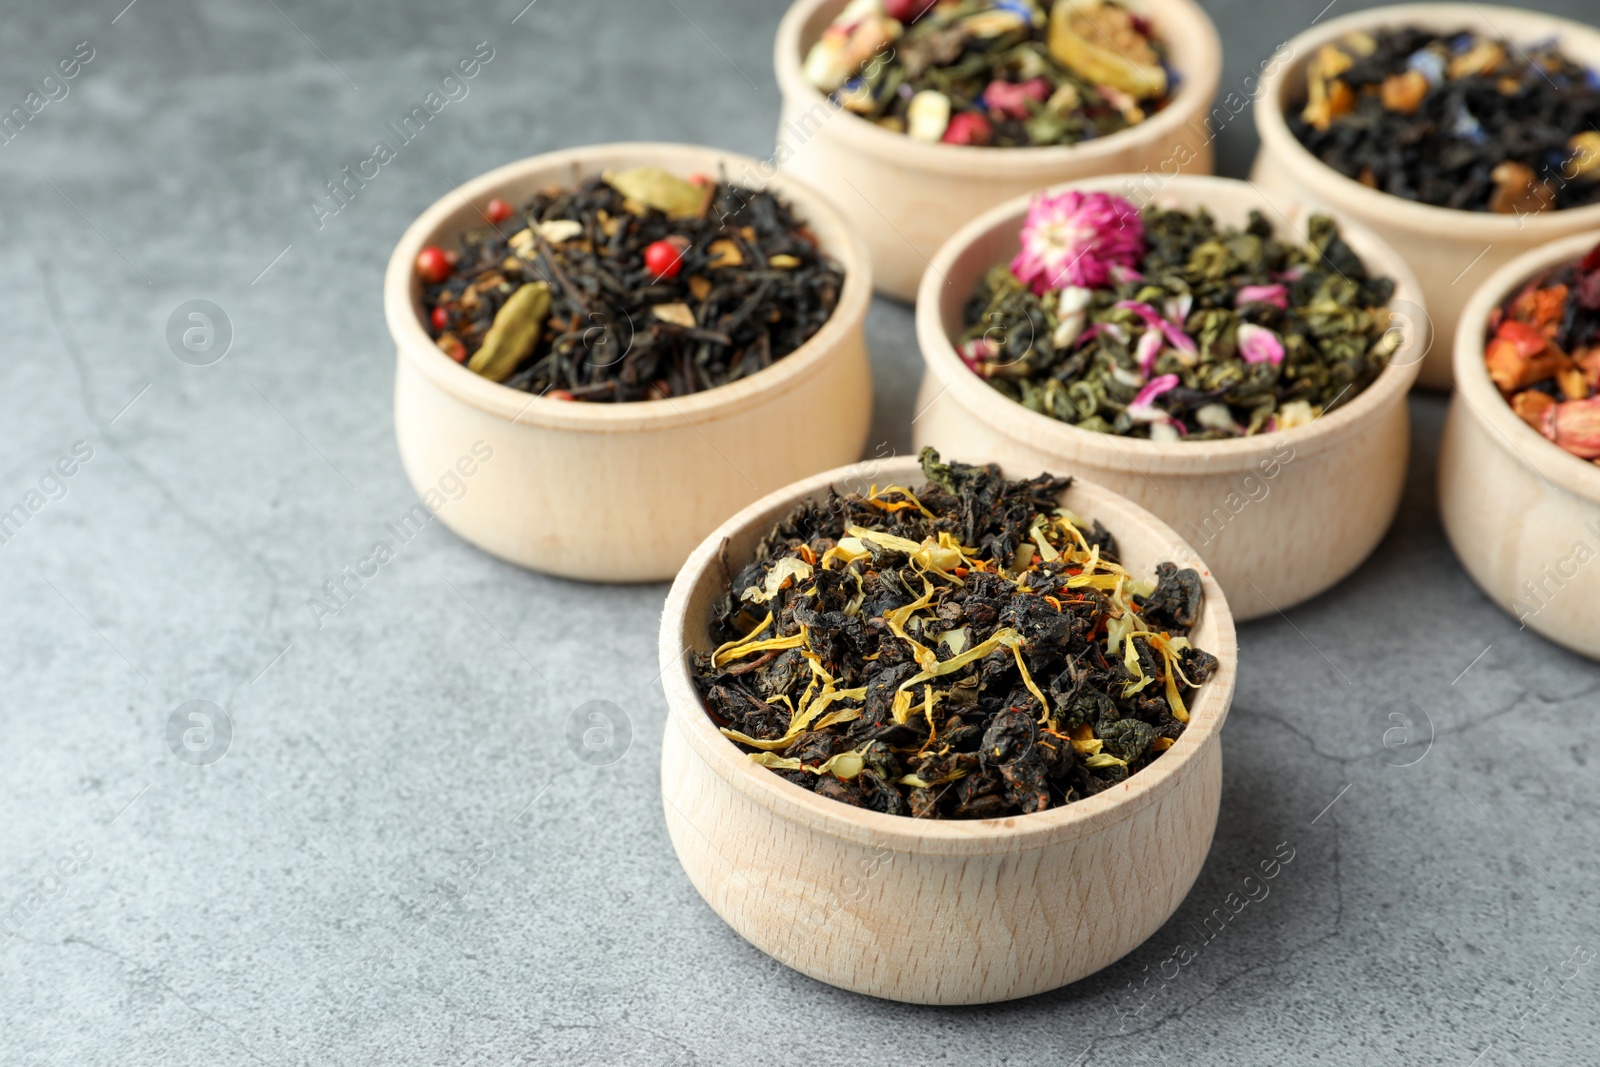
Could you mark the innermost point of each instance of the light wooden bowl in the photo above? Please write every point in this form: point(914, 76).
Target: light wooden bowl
point(907, 197)
point(1451, 251)
point(1522, 514)
point(621, 492)
point(935, 912)
point(1279, 517)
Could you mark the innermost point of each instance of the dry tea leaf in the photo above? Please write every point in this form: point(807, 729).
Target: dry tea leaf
point(514, 333)
point(667, 193)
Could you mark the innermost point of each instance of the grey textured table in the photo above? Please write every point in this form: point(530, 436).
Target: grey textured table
point(400, 860)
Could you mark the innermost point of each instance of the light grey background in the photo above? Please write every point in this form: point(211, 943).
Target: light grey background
point(400, 859)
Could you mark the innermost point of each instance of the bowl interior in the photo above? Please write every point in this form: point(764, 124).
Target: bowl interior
point(1144, 541)
point(461, 210)
point(1284, 92)
point(993, 239)
point(1190, 38)
point(1479, 391)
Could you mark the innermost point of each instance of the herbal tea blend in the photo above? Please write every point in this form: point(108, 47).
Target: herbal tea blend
point(993, 72)
point(1544, 353)
point(968, 650)
point(1164, 326)
point(1456, 120)
point(637, 285)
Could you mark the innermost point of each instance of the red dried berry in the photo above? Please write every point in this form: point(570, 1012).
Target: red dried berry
point(498, 210)
point(664, 259)
point(560, 394)
point(906, 10)
point(969, 128)
point(441, 318)
point(433, 265)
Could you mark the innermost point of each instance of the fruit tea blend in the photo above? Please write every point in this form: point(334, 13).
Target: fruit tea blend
point(968, 650)
point(1456, 120)
point(1164, 325)
point(1543, 352)
point(999, 73)
point(636, 285)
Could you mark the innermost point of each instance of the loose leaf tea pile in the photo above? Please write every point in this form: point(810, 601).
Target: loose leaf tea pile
point(1456, 120)
point(638, 285)
point(968, 650)
point(1544, 353)
point(1166, 326)
point(992, 72)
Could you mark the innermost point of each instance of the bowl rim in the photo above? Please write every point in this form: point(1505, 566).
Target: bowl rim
point(1041, 431)
point(1477, 390)
point(402, 308)
point(1272, 128)
point(1195, 92)
point(1011, 834)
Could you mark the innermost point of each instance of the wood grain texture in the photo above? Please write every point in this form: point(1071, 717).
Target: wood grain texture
point(1452, 252)
point(1279, 517)
point(935, 912)
point(907, 197)
point(1522, 515)
point(622, 492)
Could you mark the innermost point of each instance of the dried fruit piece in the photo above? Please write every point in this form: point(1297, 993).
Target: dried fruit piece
point(1404, 92)
point(677, 314)
point(928, 116)
point(1575, 426)
point(514, 333)
point(1098, 42)
point(1533, 408)
point(724, 253)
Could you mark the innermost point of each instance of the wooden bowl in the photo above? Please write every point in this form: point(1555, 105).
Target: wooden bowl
point(1451, 251)
point(907, 197)
point(935, 912)
point(619, 492)
point(1522, 514)
point(1279, 517)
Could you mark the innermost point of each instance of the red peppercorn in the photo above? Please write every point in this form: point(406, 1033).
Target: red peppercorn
point(441, 318)
point(698, 178)
point(433, 265)
point(664, 259)
point(498, 210)
point(452, 347)
point(560, 394)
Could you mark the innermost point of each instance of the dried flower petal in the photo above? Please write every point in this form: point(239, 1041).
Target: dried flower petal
point(1276, 295)
point(1257, 344)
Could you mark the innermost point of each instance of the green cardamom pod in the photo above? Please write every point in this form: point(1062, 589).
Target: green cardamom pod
point(514, 333)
